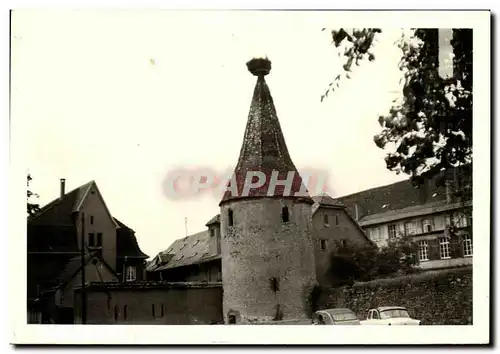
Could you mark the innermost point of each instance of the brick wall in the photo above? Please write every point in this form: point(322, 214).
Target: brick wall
point(133, 304)
point(436, 297)
point(259, 247)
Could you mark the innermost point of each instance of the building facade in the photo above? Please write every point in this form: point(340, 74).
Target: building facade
point(437, 216)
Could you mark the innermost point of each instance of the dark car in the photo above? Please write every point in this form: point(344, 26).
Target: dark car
point(340, 316)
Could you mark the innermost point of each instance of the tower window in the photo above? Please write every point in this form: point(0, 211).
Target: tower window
point(285, 215)
point(91, 220)
point(116, 312)
point(325, 219)
point(124, 312)
point(212, 232)
point(323, 244)
point(336, 219)
point(153, 310)
point(161, 310)
point(230, 217)
point(99, 239)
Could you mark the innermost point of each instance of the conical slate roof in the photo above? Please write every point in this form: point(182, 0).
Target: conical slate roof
point(264, 149)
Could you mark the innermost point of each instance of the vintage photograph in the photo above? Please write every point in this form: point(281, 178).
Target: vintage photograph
point(250, 168)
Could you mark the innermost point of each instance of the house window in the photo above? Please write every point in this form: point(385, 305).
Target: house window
point(467, 244)
point(323, 244)
point(336, 219)
point(375, 234)
point(116, 312)
point(230, 217)
point(130, 274)
point(461, 220)
point(325, 219)
point(91, 220)
point(91, 239)
point(285, 216)
point(153, 310)
point(99, 239)
point(423, 250)
point(392, 232)
point(427, 225)
point(124, 312)
point(447, 220)
point(343, 243)
point(409, 228)
point(444, 248)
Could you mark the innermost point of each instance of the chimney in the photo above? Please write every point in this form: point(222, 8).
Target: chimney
point(63, 185)
point(356, 211)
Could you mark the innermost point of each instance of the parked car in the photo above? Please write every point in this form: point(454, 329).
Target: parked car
point(335, 317)
point(389, 315)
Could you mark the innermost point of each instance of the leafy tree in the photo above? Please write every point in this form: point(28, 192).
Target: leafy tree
point(431, 129)
point(350, 263)
point(33, 208)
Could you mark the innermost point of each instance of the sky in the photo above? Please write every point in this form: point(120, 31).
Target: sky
point(123, 97)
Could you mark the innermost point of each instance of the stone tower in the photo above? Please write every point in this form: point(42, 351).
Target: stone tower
point(268, 267)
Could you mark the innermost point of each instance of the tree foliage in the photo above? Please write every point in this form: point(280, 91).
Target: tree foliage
point(33, 208)
point(350, 263)
point(431, 127)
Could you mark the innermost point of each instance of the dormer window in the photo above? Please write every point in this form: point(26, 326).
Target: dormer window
point(285, 216)
point(230, 217)
point(130, 273)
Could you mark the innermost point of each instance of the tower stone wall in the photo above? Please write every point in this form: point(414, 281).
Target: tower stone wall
point(260, 247)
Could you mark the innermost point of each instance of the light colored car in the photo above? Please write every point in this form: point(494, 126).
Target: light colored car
point(389, 315)
point(335, 317)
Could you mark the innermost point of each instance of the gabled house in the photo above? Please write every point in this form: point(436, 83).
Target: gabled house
point(54, 254)
point(333, 227)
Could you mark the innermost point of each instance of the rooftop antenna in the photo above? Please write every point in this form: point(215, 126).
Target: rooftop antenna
point(186, 225)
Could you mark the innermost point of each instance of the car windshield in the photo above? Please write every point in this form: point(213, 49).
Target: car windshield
point(391, 313)
point(344, 316)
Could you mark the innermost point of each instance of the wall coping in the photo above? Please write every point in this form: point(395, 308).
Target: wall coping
point(137, 285)
point(417, 278)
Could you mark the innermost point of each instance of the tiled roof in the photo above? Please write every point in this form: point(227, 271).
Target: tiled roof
point(51, 238)
point(126, 242)
point(413, 211)
point(43, 270)
point(56, 271)
point(264, 149)
point(58, 211)
point(193, 249)
point(214, 220)
point(400, 195)
point(325, 199)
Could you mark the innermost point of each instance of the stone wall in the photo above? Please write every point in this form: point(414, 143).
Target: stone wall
point(260, 249)
point(441, 297)
point(152, 303)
